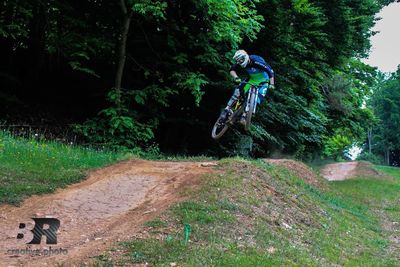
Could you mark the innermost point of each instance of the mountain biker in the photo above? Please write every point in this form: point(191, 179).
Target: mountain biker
point(259, 73)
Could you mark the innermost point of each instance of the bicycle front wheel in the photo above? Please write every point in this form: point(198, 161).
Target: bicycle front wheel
point(220, 127)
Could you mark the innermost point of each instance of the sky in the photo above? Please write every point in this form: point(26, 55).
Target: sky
point(385, 51)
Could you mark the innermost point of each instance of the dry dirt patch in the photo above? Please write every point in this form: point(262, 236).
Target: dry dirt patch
point(345, 170)
point(339, 171)
point(110, 205)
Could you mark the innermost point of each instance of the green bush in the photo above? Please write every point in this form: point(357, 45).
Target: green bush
point(371, 157)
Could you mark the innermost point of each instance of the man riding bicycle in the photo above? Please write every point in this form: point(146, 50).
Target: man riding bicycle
point(259, 72)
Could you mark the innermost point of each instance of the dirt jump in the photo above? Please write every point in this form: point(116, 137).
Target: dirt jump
point(110, 205)
point(339, 171)
point(299, 169)
point(346, 170)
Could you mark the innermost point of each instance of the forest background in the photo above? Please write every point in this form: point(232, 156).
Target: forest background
point(152, 76)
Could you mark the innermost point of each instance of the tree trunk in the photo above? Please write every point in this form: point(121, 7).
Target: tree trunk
point(370, 140)
point(127, 17)
point(387, 156)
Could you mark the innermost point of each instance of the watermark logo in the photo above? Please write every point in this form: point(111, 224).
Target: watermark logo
point(47, 227)
point(50, 232)
point(36, 252)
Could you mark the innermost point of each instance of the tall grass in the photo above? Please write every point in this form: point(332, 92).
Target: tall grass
point(30, 166)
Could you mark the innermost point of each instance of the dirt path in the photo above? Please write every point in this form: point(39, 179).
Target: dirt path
point(339, 171)
point(110, 205)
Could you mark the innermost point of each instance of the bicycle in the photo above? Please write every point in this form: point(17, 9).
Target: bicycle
point(222, 124)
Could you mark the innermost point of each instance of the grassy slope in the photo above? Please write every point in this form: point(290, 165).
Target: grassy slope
point(33, 167)
point(250, 214)
point(255, 214)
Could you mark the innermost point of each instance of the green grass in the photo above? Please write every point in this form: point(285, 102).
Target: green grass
point(255, 214)
point(392, 171)
point(157, 223)
point(29, 166)
point(249, 214)
point(379, 198)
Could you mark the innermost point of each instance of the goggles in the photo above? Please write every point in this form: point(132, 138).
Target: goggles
point(241, 59)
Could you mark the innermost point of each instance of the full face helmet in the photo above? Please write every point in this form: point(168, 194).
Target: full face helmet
point(242, 58)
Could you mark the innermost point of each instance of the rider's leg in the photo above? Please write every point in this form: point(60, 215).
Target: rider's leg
point(235, 96)
point(262, 91)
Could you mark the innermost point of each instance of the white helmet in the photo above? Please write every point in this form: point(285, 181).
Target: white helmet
point(242, 58)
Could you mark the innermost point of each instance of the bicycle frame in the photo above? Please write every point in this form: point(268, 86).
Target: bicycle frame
point(242, 105)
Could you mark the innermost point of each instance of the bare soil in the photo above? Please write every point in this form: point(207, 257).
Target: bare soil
point(113, 203)
point(110, 205)
point(339, 171)
point(346, 170)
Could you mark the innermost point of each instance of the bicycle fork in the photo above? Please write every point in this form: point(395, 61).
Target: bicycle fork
point(252, 90)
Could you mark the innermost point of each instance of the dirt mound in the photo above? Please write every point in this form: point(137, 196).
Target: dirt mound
point(345, 170)
point(339, 171)
point(110, 205)
point(299, 169)
point(366, 169)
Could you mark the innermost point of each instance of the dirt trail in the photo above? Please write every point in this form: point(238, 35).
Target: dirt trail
point(110, 205)
point(339, 171)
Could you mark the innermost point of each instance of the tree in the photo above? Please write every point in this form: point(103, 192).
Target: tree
point(385, 103)
point(163, 67)
point(316, 91)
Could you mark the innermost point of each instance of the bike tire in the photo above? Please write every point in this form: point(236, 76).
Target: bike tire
point(250, 112)
point(216, 135)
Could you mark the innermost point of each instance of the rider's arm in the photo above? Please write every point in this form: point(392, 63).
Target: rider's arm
point(233, 74)
point(272, 80)
point(267, 69)
point(232, 71)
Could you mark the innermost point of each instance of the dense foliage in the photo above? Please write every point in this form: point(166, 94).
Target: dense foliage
point(384, 140)
point(141, 73)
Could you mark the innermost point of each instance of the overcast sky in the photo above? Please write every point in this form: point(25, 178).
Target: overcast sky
point(385, 51)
